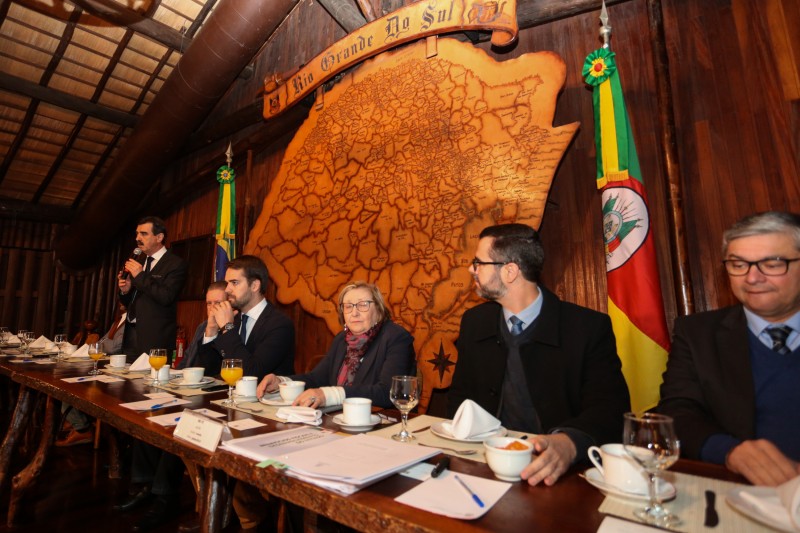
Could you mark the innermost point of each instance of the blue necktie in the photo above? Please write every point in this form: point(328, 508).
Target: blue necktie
point(516, 325)
point(779, 334)
point(243, 329)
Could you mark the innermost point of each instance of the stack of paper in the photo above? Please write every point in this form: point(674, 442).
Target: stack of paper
point(271, 445)
point(350, 464)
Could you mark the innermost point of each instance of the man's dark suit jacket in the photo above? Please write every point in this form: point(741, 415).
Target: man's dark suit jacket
point(390, 354)
point(708, 385)
point(571, 366)
point(269, 348)
point(156, 300)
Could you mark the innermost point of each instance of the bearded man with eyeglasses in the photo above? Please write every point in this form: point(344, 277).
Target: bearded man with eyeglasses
point(733, 376)
point(539, 364)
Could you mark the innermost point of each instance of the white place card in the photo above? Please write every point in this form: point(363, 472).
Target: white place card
point(245, 423)
point(199, 430)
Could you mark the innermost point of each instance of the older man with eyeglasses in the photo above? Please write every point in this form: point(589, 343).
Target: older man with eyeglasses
point(733, 376)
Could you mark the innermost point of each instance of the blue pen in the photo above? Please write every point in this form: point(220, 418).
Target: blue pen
point(469, 491)
point(160, 405)
point(178, 419)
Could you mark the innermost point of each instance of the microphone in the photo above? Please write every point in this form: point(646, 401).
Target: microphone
point(134, 255)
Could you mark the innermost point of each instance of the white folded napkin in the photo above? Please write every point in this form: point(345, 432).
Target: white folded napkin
point(13, 340)
point(83, 351)
point(69, 349)
point(142, 363)
point(41, 342)
point(471, 421)
point(789, 494)
point(302, 415)
point(781, 504)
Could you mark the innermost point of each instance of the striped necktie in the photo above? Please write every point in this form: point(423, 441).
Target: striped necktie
point(779, 334)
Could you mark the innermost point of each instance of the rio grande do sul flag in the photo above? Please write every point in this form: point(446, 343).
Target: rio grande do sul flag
point(226, 222)
point(634, 289)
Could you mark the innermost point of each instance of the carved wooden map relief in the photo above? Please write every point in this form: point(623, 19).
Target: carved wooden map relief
point(393, 180)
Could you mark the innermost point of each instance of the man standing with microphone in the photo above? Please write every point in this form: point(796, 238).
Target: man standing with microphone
point(151, 292)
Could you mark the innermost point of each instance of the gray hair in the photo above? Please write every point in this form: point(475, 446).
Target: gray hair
point(763, 224)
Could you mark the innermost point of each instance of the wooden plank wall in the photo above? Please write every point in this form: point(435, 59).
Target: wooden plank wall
point(735, 83)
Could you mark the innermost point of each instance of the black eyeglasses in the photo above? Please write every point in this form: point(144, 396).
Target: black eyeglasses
point(770, 266)
point(362, 306)
point(477, 262)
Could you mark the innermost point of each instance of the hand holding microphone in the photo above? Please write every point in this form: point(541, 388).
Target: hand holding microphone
point(134, 264)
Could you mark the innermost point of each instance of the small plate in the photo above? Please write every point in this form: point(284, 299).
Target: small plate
point(438, 429)
point(274, 400)
point(666, 490)
point(374, 420)
point(781, 522)
point(245, 398)
point(178, 382)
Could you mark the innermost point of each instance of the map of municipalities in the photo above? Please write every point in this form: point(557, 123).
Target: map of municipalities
point(394, 178)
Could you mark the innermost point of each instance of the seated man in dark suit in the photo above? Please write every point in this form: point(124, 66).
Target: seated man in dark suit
point(215, 294)
point(539, 364)
point(246, 327)
point(732, 375)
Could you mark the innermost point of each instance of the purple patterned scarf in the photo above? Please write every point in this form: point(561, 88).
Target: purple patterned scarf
point(357, 346)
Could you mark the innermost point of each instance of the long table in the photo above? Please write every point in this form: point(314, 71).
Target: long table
point(570, 505)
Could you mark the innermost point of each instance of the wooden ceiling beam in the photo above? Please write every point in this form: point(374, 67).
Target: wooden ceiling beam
point(344, 13)
point(67, 101)
point(116, 14)
point(534, 12)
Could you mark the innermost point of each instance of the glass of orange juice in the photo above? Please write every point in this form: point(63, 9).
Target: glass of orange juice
point(231, 373)
point(96, 353)
point(158, 358)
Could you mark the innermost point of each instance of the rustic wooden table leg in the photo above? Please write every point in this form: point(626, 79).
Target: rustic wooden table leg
point(196, 475)
point(114, 463)
point(27, 477)
point(216, 497)
point(18, 424)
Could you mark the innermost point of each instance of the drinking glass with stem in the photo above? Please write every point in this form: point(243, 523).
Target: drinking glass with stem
point(158, 358)
point(404, 394)
point(650, 440)
point(95, 353)
point(4, 335)
point(60, 340)
point(230, 373)
point(24, 339)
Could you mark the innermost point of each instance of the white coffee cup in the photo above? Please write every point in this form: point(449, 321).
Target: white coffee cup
point(618, 468)
point(291, 389)
point(357, 411)
point(193, 374)
point(163, 374)
point(117, 361)
point(247, 386)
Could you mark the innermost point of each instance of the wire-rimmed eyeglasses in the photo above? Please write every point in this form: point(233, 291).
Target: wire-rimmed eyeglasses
point(362, 306)
point(769, 266)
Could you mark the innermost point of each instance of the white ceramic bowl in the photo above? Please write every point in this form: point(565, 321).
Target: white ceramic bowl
point(507, 464)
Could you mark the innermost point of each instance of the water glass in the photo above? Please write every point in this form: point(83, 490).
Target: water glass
point(404, 394)
point(650, 439)
point(60, 341)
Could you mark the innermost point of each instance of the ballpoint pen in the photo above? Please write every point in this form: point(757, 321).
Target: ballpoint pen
point(160, 405)
point(469, 491)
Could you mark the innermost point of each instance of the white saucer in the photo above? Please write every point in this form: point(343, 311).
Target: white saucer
point(438, 429)
point(275, 400)
point(666, 490)
point(178, 382)
point(781, 522)
point(374, 420)
point(245, 398)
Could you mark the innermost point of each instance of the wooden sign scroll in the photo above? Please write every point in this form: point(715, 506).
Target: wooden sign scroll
point(422, 19)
